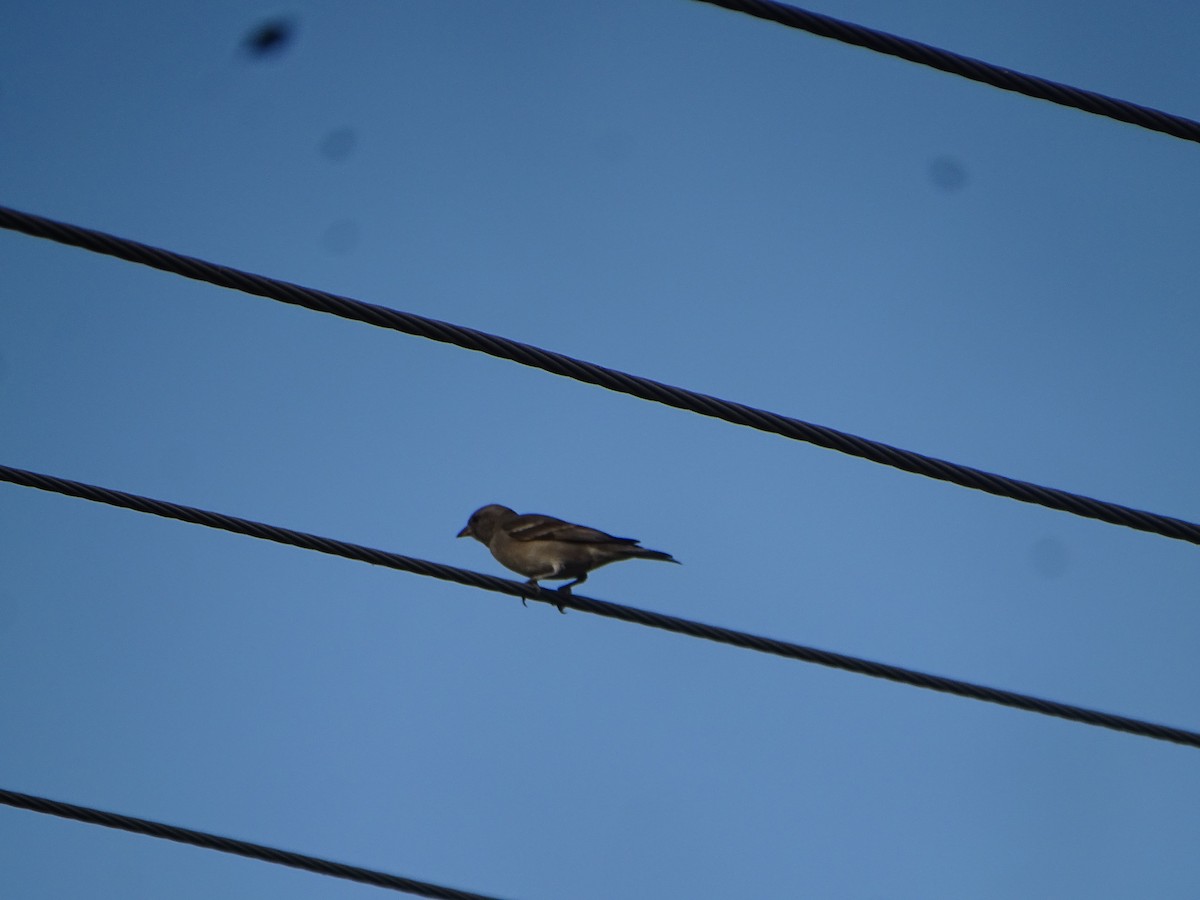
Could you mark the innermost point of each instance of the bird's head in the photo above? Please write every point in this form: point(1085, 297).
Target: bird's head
point(484, 520)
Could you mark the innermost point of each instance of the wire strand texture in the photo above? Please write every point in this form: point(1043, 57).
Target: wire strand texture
point(610, 610)
point(234, 846)
point(601, 376)
point(966, 66)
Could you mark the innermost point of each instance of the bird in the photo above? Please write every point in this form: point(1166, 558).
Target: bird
point(543, 547)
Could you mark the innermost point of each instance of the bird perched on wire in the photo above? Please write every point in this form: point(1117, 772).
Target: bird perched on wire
point(543, 547)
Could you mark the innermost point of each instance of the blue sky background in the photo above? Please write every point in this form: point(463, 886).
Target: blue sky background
point(666, 188)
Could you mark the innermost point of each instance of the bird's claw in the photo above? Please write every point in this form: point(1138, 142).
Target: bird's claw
point(565, 589)
point(537, 589)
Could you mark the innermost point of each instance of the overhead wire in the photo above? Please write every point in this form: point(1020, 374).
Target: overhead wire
point(604, 608)
point(237, 847)
point(602, 376)
point(958, 64)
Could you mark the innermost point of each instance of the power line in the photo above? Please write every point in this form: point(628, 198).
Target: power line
point(966, 66)
point(232, 845)
point(597, 607)
point(590, 373)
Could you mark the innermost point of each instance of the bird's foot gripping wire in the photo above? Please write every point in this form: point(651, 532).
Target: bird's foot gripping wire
point(565, 589)
point(537, 589)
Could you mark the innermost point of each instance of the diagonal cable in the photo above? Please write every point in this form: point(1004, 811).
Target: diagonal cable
point(234, 846)
point(597, 607)
point(966, 66)
point(590, 373)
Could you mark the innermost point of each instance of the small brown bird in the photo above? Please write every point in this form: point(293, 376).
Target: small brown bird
point(545, 547)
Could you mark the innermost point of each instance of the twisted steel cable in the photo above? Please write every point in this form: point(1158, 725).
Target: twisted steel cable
point(590, 373)
point(597, 607)
point(967, 67)
point(231, 845)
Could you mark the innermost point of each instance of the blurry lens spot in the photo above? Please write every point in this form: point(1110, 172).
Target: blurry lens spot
point(338, 144)
point(341, 237)
point(1049, 557)
point(948, 174)
point(269, 38)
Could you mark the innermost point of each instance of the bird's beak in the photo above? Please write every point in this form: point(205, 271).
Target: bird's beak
point(466, 532)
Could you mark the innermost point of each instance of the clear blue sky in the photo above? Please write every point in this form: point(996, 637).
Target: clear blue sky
point(666, 188)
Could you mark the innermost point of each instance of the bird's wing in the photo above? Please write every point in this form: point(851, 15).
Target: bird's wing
point(534, 527)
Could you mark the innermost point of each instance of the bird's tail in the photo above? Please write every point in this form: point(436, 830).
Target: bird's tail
point(643, 553)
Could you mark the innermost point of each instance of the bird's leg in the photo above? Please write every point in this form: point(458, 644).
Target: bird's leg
point(566, 588)
point(537, 589)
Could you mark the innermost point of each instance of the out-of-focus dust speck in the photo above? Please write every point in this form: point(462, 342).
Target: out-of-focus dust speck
point(270, 38)
point(177, 460)
point(338, 144)
point(948, 174)
point(613, 146)
point(1049, 557)
point(341, 236)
